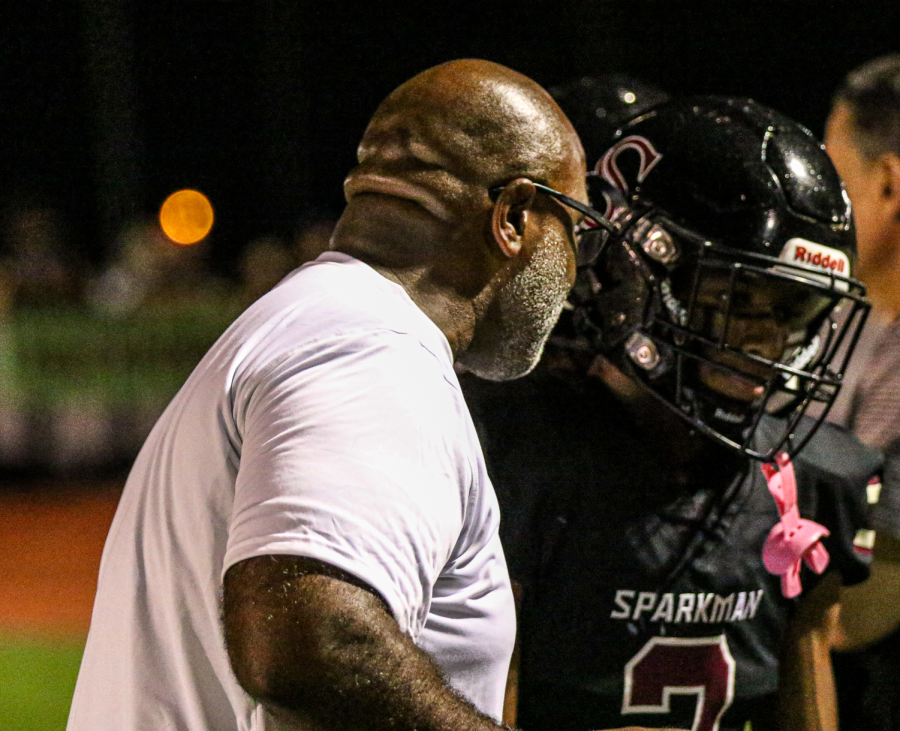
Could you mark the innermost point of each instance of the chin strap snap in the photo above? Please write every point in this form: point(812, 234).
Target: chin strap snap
point(793, 539)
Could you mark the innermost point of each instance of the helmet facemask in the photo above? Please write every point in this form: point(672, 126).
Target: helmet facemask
point(721, 336)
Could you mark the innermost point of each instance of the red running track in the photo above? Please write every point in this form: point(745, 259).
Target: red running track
point(51, 539)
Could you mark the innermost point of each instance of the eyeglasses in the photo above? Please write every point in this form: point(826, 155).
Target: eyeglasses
point(591, 234)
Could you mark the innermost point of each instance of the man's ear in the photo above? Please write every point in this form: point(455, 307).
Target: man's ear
point(890, 163)
point(511, 214)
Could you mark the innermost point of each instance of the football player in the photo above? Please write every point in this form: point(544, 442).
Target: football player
point(679, 524)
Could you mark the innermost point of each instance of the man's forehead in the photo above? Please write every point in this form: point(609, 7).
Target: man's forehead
point(839, 140)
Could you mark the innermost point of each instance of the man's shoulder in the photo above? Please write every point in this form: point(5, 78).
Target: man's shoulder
point(330, 306)
point(339, 291)
point(875, 403)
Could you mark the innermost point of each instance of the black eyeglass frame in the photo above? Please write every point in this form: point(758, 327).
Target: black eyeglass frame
point(583, 256)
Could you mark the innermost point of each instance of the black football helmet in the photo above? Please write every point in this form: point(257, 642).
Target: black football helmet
point(714, 200)
point(598, 105)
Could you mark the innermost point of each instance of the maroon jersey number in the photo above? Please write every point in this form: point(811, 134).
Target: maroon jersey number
point(667, 666)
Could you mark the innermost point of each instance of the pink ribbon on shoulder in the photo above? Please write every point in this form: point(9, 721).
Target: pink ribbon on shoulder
point(793, 539)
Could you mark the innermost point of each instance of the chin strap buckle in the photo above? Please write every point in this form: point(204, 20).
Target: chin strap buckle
point(793, 539)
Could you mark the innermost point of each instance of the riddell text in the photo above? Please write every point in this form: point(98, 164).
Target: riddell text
point(801, 253)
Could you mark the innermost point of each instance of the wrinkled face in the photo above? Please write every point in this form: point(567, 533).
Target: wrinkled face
point(768, 318)
point(862, 183)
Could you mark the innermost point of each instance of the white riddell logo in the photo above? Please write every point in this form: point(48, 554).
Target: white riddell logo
point(728, 416)
point(811, 255)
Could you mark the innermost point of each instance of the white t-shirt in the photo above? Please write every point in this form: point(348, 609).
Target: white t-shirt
point(326, 422)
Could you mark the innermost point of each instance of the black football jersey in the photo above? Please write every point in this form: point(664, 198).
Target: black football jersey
point(647, 603)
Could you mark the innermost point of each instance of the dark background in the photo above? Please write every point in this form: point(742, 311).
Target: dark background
point(106, 106)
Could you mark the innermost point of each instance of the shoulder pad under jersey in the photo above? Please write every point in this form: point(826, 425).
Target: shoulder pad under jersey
point(836, 480)
point(836, 453)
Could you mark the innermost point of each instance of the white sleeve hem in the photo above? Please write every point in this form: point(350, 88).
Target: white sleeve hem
point(376, 579)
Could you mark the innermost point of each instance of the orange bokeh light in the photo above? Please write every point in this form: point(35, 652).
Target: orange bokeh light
point(186, 216)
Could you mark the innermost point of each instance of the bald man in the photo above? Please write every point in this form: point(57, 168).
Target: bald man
point(308, 538)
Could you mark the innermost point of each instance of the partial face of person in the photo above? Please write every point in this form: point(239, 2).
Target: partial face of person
point(527, 308)
point(511, 339)
point(863, 184)
point(761, 316)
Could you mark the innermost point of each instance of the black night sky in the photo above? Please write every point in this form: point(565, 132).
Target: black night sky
point(106, 106)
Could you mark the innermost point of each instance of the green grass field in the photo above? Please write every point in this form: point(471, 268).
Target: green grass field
point(37, 677)
point(51, 538)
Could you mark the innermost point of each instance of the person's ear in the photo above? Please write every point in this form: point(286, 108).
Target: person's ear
point(511, 214)
point(890, 164)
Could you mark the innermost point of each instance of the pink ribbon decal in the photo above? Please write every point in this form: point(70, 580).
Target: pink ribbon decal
point(793, 539)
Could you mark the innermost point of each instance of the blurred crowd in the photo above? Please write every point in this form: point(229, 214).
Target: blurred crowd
point(89, 355)
point(40, 269)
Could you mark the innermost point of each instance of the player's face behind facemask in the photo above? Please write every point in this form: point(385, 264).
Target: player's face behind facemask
point(744, 331)
point(726, 295)
point(722, 337)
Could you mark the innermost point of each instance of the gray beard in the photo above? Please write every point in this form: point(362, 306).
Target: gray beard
point(522, 316)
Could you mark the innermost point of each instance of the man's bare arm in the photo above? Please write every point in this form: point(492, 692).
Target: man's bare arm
point(870, 611)
point(320, 650)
